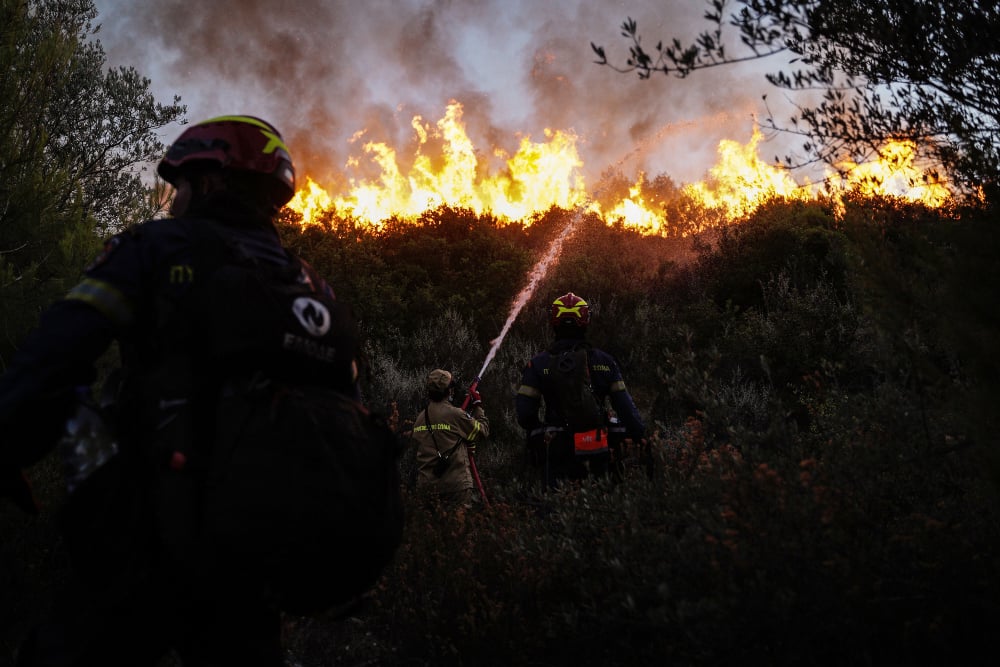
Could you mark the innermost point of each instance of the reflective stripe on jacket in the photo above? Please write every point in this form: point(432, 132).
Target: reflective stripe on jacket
point(536, 390)
point(450, 425)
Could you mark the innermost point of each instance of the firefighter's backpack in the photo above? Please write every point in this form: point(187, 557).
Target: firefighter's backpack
point(302, 496)
point(288, 484)
point(573, 391)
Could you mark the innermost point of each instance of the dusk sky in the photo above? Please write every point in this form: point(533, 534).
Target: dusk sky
point(324, 70)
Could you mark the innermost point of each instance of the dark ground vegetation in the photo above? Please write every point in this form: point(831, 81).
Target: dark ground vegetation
point(821, 396)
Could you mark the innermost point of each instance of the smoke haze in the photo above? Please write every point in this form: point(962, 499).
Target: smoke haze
point(327, 71)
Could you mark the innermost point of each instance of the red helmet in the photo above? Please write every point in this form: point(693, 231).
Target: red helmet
point(570, 309)
point(242, 143)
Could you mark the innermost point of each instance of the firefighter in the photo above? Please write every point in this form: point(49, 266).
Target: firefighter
point(571, 382)
point(445, 436)
point(231, 174)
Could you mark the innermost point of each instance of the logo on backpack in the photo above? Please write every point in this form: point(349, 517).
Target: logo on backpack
point(285, 480)
point(312, 315)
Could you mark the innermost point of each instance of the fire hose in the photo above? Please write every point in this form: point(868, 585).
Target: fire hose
point(472, 459)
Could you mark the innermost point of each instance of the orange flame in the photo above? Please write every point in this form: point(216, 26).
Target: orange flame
point(895, 173)
point(542, 175)
point(538, 177)
point(310, 201)
point(740, 182)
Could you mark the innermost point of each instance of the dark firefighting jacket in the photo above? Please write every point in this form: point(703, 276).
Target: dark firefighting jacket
point(606, 379)
point(116, 299)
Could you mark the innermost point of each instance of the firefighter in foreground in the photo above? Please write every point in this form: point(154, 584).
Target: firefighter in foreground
point(576, 437)
point(231, 176)
point(445, 437)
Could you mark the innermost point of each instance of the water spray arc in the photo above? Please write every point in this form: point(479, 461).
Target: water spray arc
point(535, 277)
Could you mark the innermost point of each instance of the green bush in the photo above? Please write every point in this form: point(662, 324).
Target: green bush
point(822, 486)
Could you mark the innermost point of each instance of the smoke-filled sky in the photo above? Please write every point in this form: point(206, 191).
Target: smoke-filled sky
point(324, 70)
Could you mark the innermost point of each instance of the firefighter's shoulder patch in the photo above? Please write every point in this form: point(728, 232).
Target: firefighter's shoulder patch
point(109, 248)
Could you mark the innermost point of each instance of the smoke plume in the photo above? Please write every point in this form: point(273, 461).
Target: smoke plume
point(333, 74)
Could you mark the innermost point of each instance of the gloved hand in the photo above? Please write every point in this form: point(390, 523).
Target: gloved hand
point(476, 398)
point(470, 448)
point(15, 487)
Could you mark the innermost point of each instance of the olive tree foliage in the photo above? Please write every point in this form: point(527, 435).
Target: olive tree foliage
point(96, 123)
point(75, 138)
point(920, 70)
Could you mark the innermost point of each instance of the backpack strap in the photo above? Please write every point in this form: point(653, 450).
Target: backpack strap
point(430, 429)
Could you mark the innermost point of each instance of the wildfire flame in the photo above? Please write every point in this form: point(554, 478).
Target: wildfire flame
point(541, 175)
point(895, 173)
point(741, 181)
point(538, 177)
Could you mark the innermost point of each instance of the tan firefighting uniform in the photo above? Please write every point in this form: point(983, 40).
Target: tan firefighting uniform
point(451, 425)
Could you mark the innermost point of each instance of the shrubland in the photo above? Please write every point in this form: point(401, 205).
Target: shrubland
point(819, 388)
point(820, 384)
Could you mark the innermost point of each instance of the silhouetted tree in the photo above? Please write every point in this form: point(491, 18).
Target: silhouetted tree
point(76, 136)
point(924, 70)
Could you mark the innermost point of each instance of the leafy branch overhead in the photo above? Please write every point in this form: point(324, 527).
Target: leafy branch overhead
point(77, 137)
point(925, 71)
